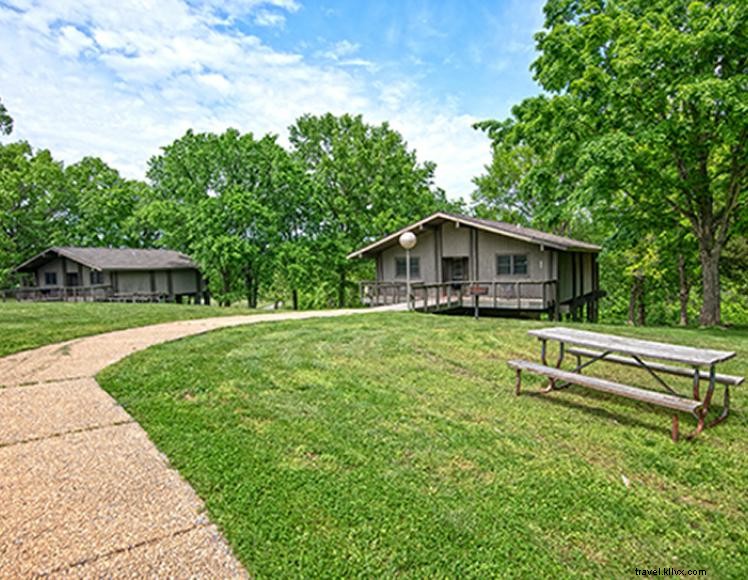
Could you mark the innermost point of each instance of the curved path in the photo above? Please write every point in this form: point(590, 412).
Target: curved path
point(83, 491)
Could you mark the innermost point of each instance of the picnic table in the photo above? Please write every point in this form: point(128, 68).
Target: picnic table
point(590, 347)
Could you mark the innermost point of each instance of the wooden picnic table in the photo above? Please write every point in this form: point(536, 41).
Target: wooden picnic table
point(643, 354)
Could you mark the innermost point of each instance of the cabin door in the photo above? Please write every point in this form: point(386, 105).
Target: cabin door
point(454, 269)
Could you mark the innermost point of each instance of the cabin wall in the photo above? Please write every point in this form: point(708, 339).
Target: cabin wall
point(133, 282)
point(425, 250)
point(51, 266)
point(184, 281)
point(455, 241)
point(491, 245)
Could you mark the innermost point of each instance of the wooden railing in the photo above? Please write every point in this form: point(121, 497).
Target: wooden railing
point(374, 293)
point(515, 295)
point(63, 293)
point(499, 295)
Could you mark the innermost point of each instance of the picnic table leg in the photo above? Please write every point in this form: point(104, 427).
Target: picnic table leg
point(675, 434)
point(696, 376)
point(518, 383)
point(544, 358)
point(725, 409)
point(707, 401)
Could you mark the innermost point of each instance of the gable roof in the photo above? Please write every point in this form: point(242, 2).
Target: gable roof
point(492, 226)
point(114, 259)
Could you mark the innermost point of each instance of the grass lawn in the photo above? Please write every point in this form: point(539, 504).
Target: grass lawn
point(25, 325)
point(392, 445)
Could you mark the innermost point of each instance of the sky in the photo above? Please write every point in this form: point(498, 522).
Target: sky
point(119, 79)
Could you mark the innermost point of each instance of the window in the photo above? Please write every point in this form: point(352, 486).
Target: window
point(503, 265)
point(401, 268)
point(71, 279)
point(97, 277)
point(516, 264)
point(50, 278)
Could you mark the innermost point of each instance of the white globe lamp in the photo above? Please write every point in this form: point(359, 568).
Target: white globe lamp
point(408, 242)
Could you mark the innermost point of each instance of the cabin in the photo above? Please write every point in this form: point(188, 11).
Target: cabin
point(110, 274)
point(461, 263)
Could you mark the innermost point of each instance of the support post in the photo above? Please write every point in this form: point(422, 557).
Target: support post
point(407, 278)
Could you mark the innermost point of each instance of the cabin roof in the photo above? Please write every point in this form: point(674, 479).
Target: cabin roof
point(496, 227)
point(113, 258)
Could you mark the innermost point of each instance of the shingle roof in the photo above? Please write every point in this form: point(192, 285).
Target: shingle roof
point(536, 235)
point(501, 228)
point(115, 258)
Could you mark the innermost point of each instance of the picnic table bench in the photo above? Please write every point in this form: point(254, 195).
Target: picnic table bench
point(590, 347)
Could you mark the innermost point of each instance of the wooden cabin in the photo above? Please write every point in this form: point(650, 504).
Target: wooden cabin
point(460, 262)
point(110, 274)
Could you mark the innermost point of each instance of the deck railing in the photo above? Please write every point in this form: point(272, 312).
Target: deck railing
point(515, 295)
point(63, 293)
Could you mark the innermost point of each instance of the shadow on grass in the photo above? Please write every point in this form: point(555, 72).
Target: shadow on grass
point(625, 420)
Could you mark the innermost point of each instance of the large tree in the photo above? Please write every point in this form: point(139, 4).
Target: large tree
point(366, 182)
point(32, 189)
point(222, 198)
point(100, 207)
point(655, 95)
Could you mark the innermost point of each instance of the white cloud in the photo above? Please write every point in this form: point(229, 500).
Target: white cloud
point(73, 41)
point(340, 49)
point(141, 81)
point(269, 19)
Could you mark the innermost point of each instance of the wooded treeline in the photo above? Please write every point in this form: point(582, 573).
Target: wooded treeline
point(260, 220)
point(637, 143)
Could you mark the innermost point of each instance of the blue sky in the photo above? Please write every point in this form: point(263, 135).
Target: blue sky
point(121, 79)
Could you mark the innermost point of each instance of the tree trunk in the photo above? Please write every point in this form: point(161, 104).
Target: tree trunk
point(255, 293)
point(341, 289)
point(226, 280)
point(248, 283)
point(636, 301)
point(710, 307)
point(684, 290)
point(641, 316)
point(295, 298)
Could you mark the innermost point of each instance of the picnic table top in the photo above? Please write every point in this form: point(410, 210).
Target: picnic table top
point(632, 346)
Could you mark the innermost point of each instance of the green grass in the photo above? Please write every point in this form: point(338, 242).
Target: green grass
point(25, 325)
point(392, 445)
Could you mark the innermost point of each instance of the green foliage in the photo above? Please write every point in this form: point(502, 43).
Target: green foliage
point(645, 123)
point(230, 201)
point(6, 121)
point(32, 188)
point(100, 207)
point(365, 183)
point(318, 459)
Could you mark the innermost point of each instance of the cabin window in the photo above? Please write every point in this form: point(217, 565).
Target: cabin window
point(97, 277)
point(71, 279)
point(511, 264)
point(50, 278)
point(401, 267)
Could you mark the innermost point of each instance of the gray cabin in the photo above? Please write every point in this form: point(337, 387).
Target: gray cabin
point(460, 261)
point(110, 274)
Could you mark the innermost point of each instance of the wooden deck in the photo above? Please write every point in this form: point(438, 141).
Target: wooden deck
point(523, 297)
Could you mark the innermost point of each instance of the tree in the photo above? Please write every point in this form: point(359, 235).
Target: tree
point(222, 198)
point(101, 206)
point(660, 87)
point(365, 182)
point(6, 121)
point(31, 201)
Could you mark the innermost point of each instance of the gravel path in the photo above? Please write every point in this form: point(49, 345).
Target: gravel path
point(83, 491)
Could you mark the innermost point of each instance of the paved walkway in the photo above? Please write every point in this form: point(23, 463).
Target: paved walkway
point(83, 491)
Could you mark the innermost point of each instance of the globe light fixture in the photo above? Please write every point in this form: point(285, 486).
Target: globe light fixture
point(408, 242)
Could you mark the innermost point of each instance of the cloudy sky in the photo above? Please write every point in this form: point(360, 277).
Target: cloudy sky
point(121, 78)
